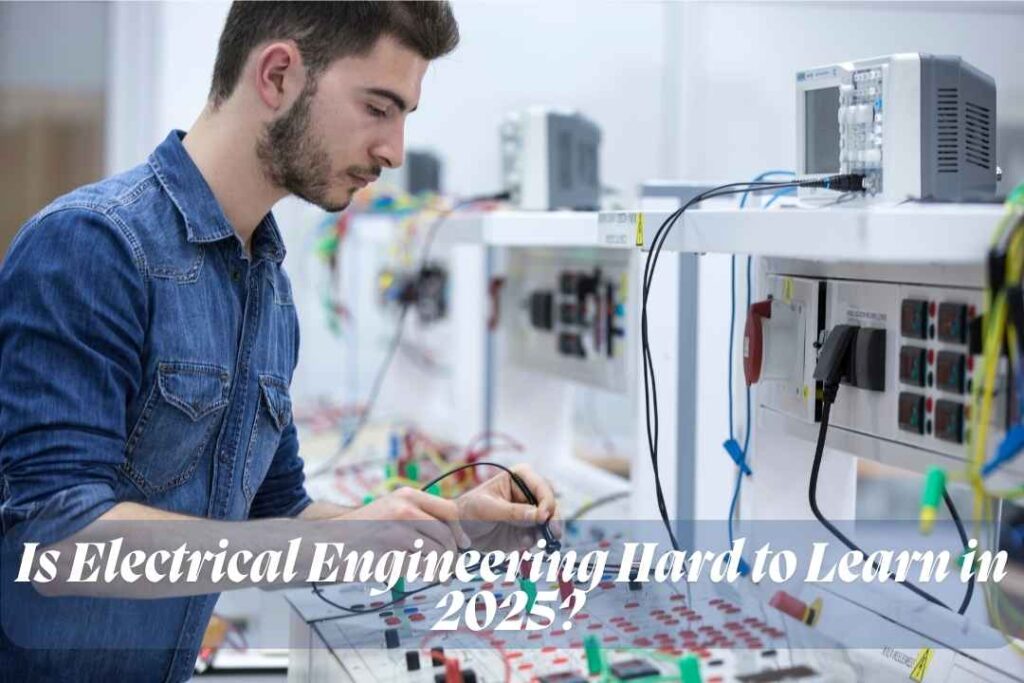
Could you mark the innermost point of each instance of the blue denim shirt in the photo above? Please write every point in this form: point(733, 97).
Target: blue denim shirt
point(145, 357)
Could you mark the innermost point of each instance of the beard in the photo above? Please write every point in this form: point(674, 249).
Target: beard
point(295, 159)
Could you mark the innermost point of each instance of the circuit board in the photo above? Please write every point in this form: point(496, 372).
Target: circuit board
point(641, 630)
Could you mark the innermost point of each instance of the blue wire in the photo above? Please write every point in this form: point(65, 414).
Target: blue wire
point(732, 327)
point(732, 503)
point(732, 332)
point(766, 174)
point(780, 193)
point(746, 436)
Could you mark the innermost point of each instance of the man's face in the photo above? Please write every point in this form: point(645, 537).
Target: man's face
point(345, 126)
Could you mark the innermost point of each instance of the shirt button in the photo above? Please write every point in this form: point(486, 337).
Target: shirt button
point(235, 276)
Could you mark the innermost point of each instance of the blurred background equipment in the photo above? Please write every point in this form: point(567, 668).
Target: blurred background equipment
point(550, 159)
point(421, 173)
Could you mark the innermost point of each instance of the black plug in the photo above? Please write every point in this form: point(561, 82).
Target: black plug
point(834, 359)
point(848, 182)
point(551, 542)
point(844, 182)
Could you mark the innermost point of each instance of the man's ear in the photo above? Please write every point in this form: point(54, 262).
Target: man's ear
point(280, 74)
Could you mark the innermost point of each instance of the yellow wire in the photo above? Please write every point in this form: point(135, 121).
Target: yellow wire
point(995, 330)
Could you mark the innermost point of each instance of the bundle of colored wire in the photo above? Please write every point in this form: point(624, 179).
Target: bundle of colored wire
point(396, 340)
point(1006, 268)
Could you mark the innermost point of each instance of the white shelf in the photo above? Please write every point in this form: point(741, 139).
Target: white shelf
point(522, 229)
point(909, 233)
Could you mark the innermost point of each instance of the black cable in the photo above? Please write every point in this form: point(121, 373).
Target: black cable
point(962, 532)
point(812, 495)
point(849, 182)
point(527, 493)
point(549, 538)
point(650, 385)
point(396, 338)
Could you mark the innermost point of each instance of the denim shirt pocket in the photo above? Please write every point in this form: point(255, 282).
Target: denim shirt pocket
point(180, 418)
point(272, 416)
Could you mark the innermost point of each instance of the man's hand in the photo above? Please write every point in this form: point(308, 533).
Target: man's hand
point(394, 521)
point(497, 515)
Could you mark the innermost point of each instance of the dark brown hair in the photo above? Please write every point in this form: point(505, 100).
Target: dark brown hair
point(326, 31)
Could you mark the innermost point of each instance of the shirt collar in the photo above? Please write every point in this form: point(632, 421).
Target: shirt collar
point(204, 219)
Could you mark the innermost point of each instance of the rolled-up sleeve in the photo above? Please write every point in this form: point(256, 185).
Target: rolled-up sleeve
point(72, 327)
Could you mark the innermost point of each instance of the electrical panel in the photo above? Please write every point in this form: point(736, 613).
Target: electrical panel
point(570, 313)
point(425, 290)
point(911, 373)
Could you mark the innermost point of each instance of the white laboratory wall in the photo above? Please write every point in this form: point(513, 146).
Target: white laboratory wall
point(161, 61)
point(736, 62)
point(603, 58)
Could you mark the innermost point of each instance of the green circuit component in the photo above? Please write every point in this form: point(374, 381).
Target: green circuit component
point(530, 588)
point(689, 669)
point(592, 648)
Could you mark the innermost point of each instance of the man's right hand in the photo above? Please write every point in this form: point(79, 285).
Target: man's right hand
point(395, 520)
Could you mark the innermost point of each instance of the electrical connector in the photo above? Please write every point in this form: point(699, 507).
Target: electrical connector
point(530, 588)
point(735, 451)
point(1016, 196)
point(595, 661)
point(398, 592)
point(689, 669)
point(833, 359)
point(844, 182)
point(934, 487)
point(1009, 449)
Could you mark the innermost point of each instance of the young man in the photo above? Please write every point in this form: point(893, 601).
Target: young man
point(148, 335)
